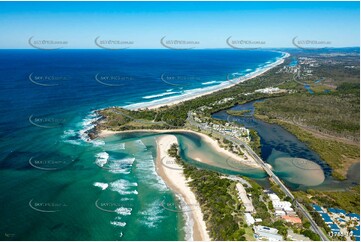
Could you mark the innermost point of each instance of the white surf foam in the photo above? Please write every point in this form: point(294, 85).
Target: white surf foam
point(209, 83)
point(122, 166)
point(103, 186)
point(146, 170)
point(159, 95)
point(189, 222)
point(123, 187)
point(152, 215)
point(102, 158)
point(118, 224)
point(124, 211)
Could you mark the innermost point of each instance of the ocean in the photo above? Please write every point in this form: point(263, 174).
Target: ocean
point(58, 185)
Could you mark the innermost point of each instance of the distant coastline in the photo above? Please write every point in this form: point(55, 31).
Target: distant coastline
point(199, 92)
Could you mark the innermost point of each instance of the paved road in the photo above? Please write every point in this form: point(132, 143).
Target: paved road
point(266, 169)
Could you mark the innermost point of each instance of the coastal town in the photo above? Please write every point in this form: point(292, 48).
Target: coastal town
point(341, 224)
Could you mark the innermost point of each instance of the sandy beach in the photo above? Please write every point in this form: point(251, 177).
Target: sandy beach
point(204, 91)
point(173, 176)
point(250, 161)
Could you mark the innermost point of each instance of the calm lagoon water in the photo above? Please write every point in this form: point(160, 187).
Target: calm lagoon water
point(292, 160)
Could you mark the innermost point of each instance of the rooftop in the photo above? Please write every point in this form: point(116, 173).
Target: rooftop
point(354, 215)
point(326, 218)
point(334, 227)
point(317, 208)
point(295, 220)
point(336, 210)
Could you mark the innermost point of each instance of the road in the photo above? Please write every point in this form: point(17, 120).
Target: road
point(266, 168)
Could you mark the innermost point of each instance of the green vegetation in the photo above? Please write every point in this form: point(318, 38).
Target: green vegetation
point(255, 141)
point(317, 218)
point(327, 121)
point(310, 234)
point(319, 120)
point(338, 155)
point(238, 112)
point(335, 114)
point(219, 202)
point(168, 117)
point(348, 200)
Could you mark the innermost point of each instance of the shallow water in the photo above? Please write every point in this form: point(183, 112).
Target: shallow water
point(48, 100)
point(277, 140)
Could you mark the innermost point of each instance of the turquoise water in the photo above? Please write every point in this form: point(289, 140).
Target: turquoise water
point(58, 185)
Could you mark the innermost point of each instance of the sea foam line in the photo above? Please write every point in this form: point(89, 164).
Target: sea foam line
point(189, 94)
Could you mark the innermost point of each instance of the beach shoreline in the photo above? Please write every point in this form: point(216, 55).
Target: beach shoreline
point(170, 101)
point(173, 176)
point(250, 162)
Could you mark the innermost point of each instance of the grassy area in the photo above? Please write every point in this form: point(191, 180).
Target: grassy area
point(335, 114)
point(348, 200)
point(219, 202)
point(338, 155)
point(255, 141)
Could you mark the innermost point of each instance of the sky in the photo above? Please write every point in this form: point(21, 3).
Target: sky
point(205, 24)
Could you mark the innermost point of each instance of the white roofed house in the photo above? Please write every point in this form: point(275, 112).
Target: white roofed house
point(242, 194)
point(249, 219)
point(274, 197)
point(263, 232)
point(279, 212)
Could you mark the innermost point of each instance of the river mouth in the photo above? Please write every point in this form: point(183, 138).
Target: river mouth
point(292, 160)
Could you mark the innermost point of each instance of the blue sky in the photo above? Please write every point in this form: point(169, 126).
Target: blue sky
point(209, 23)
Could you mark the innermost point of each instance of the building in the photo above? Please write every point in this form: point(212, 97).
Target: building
point(263, 232)
point(326, 218)
point(258, 220)
point(318, 208)
point(341, 221)
point(281, 205)
point(334, 228)
point(356, 233)
point(279, 212)
point(337, 211)
point(354, 216)
point(249, 219)
point(290, 219)
point(242, 194)
point(274, 197)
